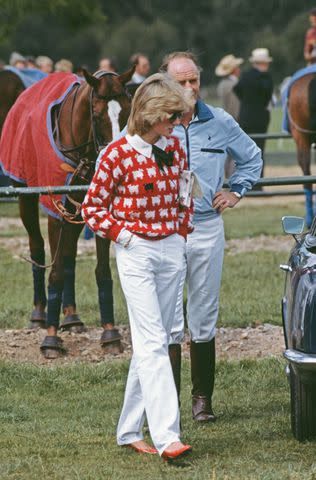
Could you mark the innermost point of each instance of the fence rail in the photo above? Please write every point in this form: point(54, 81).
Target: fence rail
point(9, 192)
point(269, 136)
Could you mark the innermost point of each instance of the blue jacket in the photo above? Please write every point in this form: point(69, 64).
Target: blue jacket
point(210, 137)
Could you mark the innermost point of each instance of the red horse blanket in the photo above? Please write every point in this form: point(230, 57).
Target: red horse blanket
point(28, 152)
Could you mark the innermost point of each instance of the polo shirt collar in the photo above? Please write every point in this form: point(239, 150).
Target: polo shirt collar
point(143, 147)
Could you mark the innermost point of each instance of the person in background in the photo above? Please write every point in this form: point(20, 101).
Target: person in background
point(17, 60)
point(64, 65)
point(310, 38)
point(44, 63)
point(229, 71)
point(254, 90)
point(107, 64)
point(207, 134)
point(142, 67)
point(134, 200)
point(30, 62)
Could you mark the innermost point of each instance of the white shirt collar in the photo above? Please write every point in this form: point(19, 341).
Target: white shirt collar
point(143, 147)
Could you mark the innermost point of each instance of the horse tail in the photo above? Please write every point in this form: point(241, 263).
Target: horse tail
point(312, 105)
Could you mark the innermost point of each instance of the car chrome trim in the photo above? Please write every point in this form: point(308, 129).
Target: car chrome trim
point(305, 361)
point(286, 268)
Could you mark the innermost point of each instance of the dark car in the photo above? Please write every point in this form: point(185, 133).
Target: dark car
point(299, 324)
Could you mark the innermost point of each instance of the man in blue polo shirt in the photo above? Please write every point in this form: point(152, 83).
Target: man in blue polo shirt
point(208, 135)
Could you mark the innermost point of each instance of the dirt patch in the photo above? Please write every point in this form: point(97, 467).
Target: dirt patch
point(275, 243)
point(231, 344)
point(19, 246)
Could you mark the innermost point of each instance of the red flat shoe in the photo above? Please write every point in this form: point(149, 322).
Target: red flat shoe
point(148, 449)
point(177, 453)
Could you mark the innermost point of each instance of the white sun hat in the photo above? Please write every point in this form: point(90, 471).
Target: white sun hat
point(227, 65)
point(260, 55)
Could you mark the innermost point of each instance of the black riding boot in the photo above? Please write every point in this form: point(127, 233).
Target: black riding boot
point(202, 376)
point(175, 360)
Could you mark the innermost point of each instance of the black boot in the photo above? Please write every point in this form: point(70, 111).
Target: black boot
point(202, 376)
point(175, 360)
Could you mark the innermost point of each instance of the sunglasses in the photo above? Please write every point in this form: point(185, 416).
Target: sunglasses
point(175, 116)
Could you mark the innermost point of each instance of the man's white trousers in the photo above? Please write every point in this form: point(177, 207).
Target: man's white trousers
point(150, 273)
point(203, 273)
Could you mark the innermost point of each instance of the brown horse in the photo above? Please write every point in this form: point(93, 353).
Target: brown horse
point(83, 122)
point(302, 120)
point(10, 88)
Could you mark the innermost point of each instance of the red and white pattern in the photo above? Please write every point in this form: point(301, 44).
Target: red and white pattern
point(129, 191)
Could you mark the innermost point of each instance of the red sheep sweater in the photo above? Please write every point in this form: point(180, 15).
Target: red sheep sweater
point(129, 191)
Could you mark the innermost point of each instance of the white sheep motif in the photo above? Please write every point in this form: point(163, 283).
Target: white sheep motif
point(141, 202)
point(138, 174)
point(128, 202)
point(150, 214)
point(141, 159)
point(161, 185)
point(151, 172)
point(102, 175)
point(156, 200)
point(117, 172)
point(170, 225)
point(163, 212)
point(104, 193)
point(133, 189)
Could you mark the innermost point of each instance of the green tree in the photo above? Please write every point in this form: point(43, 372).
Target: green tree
point(72, 13)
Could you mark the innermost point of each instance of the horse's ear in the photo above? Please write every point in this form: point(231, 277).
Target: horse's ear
point(91, 80)
point(125, 77)
point(131, 88)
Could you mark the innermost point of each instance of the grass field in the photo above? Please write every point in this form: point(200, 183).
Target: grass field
point(59, 423)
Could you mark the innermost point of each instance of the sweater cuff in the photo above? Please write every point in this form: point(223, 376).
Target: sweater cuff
point(114, 232)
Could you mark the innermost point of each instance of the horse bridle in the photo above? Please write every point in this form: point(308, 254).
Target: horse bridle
point(73, 153)
point(85, 166)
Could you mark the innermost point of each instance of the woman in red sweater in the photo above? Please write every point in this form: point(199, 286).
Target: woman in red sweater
point(134, 199)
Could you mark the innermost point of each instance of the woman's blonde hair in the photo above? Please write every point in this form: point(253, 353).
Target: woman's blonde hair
point(156, 99)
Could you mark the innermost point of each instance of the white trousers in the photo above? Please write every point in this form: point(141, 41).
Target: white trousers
point(150, 273)
point(203, 272)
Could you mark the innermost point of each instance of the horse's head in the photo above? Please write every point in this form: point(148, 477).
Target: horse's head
point(109, 104)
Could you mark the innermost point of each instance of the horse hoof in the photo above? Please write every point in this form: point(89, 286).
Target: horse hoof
point(51, 354)
point(113, 348)
point(76, 329)
point(38, 319)
point(34, 324)
point(52, 347)
point(111, 341)
point(72, 323)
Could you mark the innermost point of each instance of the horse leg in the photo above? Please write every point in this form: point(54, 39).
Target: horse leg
point(303, 155)
point(110, 338)
point(52, 344)
point(58, 238)
point(71, 320)
point(28, 206)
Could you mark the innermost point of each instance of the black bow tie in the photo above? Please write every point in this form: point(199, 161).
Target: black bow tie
point(162, 158)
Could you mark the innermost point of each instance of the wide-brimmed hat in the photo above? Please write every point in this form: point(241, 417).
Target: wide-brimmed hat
point(16, 57)
point(227, 65)
point(260, 55)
